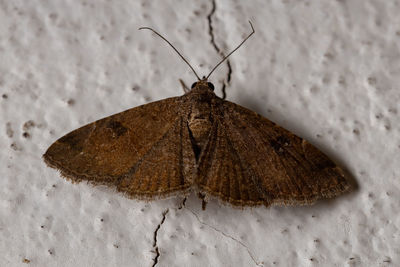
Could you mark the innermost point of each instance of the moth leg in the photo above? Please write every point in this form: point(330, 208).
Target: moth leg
point(183, 204)
point(203, 204)
point(203, 200)
point(184, 86)
point(223, 91)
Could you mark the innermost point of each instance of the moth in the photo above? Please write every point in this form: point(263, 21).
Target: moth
point(197, 142)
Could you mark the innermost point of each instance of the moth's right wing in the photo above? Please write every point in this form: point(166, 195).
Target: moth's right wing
point(144, 151)
point(251, 161)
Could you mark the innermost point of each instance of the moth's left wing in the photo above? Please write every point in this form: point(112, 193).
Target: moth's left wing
point(144, 151)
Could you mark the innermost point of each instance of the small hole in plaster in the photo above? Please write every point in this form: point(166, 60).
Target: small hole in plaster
point(371, 81)
point(135, 88)
point(314, 89)
point(70, 102)
point(27, 125)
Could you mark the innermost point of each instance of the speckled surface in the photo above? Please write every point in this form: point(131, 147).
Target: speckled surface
point(327, 70)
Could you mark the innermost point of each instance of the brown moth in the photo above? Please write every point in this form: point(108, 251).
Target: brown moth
point(199, 142)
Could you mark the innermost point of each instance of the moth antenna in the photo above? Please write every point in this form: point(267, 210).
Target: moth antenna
point(252, 32)
point(162, 37)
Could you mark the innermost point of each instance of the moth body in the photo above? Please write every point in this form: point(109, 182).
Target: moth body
point(200, 118)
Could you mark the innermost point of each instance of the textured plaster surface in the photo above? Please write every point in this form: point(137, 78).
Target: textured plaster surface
point(327, 70)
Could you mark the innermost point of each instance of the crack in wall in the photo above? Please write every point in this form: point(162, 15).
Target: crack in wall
point(155, 246)
point(228, 236)
point(216, 47)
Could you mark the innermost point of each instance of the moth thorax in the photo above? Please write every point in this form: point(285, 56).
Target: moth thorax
point(200, 122)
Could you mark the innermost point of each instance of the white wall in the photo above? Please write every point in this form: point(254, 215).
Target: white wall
point(327, 70)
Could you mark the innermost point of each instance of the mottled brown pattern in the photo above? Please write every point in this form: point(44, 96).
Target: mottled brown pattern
point(197, 141)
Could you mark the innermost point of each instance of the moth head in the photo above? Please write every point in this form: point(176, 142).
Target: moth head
point(203, 84)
